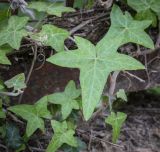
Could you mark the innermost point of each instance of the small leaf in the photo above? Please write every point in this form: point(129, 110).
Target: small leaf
point(3, 51)
point(116, 121)
point(33, 114)
point(51, 36)
point(94, 69)
point(62, 135)
point(14, 31)
point(51, 8)
point(17, 82)
point(121, 94)
point(13, 138)
point(66, 99)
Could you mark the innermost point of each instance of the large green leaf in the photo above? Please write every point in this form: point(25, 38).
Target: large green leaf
point(124, 29)
point(51, 8)
point(33, 114)
point(14, 31)
point(17, 82)
point(142, 5)
point(94, 69)
point(51, 36)
point(3, 58)
point(66, 99)
point(62, 135)
point(116, 121)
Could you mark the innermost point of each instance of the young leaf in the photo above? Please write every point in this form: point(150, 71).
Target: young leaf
point(94, 69)
point(116, 121)
point(14, 31)
point(51, 8)
point(141, 5)
point(17, 82)
point(121, 94)
point(66, 99)
point(62, 135)
point(3, 51)
point(33, 114)
point(51, 36)
point(124, 29)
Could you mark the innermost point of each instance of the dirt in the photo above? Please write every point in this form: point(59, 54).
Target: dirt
point(140, 133)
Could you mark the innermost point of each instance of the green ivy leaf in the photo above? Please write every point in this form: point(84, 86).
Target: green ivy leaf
point(51, 36)
point(13, 138)
point(116, 121)
point(121, 94)
point(33, 114)
point(78, 4)
point(143, 5)
point(3, 51)
point(124, 29)
point(2, 113)
point(51, 8)
point(94, 69)
point(66, 99)
point(1, 86)
point(62, 135)
point(14, 31)
point(17, 82)
point(147, 15)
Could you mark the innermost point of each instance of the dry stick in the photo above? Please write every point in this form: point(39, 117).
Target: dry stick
point(112, 88)
point(134, 76)
point(30, 70)
point(72, 31)
point(15, 118)
point(11, 94)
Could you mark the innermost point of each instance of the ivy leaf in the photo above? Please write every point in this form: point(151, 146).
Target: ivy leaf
point(66, 99)
point(17, 82)
point(121, 94)
point(52, 36)
point(14, 31)
point(147, 15)
point(33, 114)
point(51, 8)
point(2, 113)
point(116, 121)
point(13, 138)
point(141, 5)
point(1, 86)
point(62, 135)
point(94, 69)
point(3, 58)
point(124, 29)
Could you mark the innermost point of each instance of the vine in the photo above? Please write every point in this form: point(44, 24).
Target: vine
point(95, 62)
